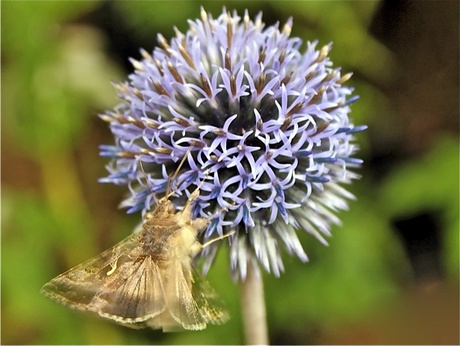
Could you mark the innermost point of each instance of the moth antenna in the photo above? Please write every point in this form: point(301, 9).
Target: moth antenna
point(145, 174)
point(147, 182)
point(174, 176)
point(142, 169)
point(206, 174)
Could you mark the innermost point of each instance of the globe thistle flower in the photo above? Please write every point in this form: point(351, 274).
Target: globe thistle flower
point(264, 128)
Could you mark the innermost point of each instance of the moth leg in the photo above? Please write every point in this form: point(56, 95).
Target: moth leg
point(186, 213)
point(199, 223)
point(194, 195)
point(196, 248)
point(219, 212)
point(217, 239)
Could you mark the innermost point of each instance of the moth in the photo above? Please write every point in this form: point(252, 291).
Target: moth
point(146, 280)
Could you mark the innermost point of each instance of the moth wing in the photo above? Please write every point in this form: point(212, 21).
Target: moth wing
point(135, 298)
point(78, 286)
point(212, 309)
point(181, 304)
point(192, 302)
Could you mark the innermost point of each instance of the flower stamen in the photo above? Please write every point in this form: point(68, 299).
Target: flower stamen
point(175, 73)
point(186, 56)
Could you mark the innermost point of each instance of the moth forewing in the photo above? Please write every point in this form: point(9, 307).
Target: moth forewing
point(78, 286)
point(138, 298)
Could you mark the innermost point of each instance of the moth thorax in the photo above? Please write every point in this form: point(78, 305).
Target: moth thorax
point(159, 251)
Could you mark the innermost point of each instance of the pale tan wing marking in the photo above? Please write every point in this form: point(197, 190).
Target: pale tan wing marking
point(77, 287)
point(138, 298)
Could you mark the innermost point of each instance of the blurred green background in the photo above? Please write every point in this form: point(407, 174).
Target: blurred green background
point(390, 273)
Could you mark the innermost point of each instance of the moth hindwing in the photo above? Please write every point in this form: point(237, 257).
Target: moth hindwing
point(146, 280)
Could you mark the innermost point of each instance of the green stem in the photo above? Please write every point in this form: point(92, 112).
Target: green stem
point(253, 308)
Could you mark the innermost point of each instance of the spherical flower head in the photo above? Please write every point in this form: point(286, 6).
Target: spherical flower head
point(263, 126)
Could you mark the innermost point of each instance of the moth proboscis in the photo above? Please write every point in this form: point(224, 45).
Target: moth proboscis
point(146, 280)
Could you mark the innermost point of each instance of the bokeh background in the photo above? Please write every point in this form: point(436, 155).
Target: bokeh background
point(390, 274)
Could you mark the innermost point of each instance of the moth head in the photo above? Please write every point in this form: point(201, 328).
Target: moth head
point(163, 208)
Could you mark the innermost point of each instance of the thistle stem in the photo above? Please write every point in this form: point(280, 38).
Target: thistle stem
point(253, 308)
